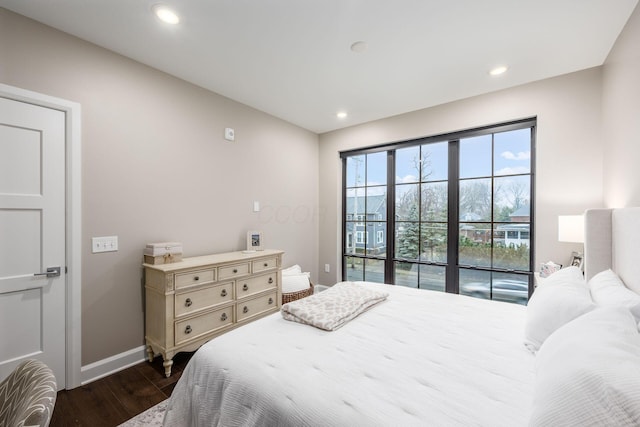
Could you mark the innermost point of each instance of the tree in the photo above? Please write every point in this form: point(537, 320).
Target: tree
point(409, 237)
point(475, 199)
point(502, 213)
point(517, 193)
point(434, 202)
point(406, 201)
point(510, 197)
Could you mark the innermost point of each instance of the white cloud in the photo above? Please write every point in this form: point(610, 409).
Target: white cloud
point(522, 155)
point(406, 179)
point(513, 171)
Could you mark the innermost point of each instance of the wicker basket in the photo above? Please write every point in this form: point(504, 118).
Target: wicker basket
point(292, 296)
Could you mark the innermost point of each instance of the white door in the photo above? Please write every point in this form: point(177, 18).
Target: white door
point(32, 236)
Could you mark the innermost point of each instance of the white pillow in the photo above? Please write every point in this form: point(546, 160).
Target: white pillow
point(554, 304)
point(588, 372)
point(294, 269)
point(609, 291)
point(570, 274)
point(295, 282)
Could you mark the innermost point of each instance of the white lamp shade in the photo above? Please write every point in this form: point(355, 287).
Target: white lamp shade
point(571, 228)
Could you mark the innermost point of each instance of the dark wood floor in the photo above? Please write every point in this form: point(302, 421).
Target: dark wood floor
point(112, 400)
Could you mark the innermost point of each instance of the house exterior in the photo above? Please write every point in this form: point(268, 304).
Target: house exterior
point(514, 233)
point(518, 231)
point(366, 230)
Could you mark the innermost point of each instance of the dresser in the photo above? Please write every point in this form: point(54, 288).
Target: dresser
point(194, 300)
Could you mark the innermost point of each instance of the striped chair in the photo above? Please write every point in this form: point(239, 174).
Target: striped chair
point(28, 395)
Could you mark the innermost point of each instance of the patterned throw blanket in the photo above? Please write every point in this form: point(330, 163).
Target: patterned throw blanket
point(331, 309)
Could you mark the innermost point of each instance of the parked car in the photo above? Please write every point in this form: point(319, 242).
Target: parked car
point(503, 290)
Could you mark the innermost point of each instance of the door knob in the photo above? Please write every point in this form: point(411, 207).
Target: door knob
point(51, 272)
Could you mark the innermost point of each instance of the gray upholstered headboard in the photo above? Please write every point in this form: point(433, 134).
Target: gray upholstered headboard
point(612, 240)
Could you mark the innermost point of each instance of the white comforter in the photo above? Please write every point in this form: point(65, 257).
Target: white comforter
point(420, 358)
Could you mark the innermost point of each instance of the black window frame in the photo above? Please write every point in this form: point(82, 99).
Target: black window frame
point(452, 265)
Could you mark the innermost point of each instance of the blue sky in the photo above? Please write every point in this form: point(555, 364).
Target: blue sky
point(512, 155)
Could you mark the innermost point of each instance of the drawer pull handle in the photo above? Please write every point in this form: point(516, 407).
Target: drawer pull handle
point(270, 280)
point(245, 309)
point(245, 287)
point(270, 301)
point(266, 265)
point(196, 278)
point(188, 302)
point(223, 317)
point(187, 330)
point(235, 270)
point(223, 293)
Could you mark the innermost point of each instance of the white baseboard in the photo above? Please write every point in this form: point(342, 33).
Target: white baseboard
point(102, 368)
point(320, 288)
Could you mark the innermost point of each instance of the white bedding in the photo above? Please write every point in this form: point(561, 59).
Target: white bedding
point(418, 358)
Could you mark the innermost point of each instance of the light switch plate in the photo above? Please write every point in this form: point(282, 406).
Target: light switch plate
point(104, 244)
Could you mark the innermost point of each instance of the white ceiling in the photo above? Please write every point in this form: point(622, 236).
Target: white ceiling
point(292, 58)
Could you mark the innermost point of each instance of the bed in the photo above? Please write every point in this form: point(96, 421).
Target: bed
point(428, 358)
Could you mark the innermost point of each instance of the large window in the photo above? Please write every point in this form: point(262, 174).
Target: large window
point(366, 201)
point(421, 219)
point(450, 213)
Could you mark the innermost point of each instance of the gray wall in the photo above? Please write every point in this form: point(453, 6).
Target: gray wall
point(587, 143)
point(155, 165)
point(621, 118)
point(156, 168)
point(569, 152)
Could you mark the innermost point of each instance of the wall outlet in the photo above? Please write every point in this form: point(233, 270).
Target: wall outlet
point(104, 244)
point(327, 268)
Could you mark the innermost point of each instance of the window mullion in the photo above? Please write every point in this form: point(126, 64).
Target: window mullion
point(452, 220)
point(344, 217)
point(492, 213)
point(391, 217)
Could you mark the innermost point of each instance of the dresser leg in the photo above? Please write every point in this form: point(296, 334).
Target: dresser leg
point(167, 367)
point(149, 353)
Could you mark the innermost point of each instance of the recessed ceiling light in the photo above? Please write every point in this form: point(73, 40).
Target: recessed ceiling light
point(165, 14)
point(341, 115)
point(498, 70)
point(359, 47)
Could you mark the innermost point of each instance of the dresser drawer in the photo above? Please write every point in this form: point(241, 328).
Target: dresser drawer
point(200, 325)
point(193, 301)
point(191, 278)
point(253, 285)
point(264, 264)
point(255, 306)
point(233, 271)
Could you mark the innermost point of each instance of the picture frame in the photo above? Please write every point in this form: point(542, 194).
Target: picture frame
point(254, 241)
point(576, 260)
